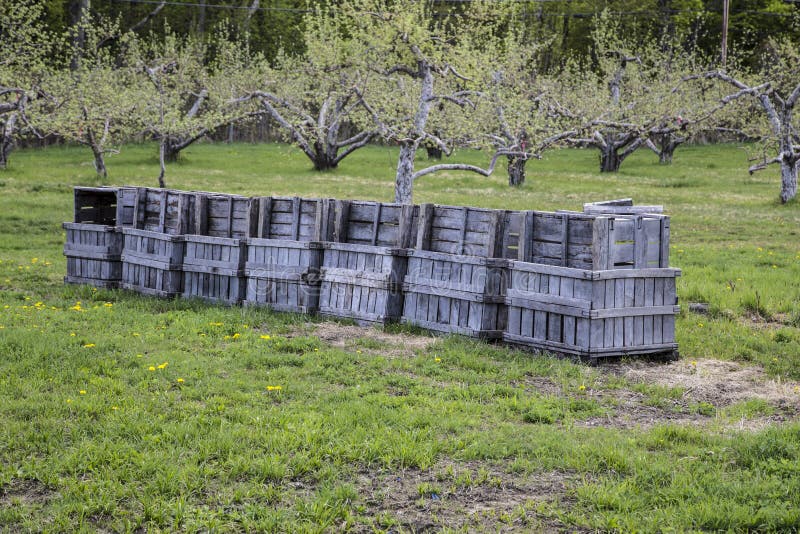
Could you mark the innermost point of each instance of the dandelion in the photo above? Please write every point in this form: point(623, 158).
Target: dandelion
point(136, 334)
point(266, 336)
point(700, 325)
point(77, 307)
point(694, 363)
point(140, 355)
point(108, 304)
point(89, 346)
point(797, 389)
point(760, 249)
point(82, 392)
point(69, 401)
point(72, 334)
point(180, 381)
point(235, 336)
point(581, 388)
point(215, 324)
point(774, 266)
point(115, 408)
point(47, 264)
point(774, 359)
point(163, 365)
point(226, 337)
point(34, 260)
point(151, 368)
point(437, 360)
point(274, 388)
point(358, 352)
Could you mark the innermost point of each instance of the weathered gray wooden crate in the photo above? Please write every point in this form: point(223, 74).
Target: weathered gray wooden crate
point(363, 269)
point(455, 282)
point(284, 255)
point(215, 249)
point(93, 244)
point(153, 249)
point(93, 254)
point(587, 241)
point(592, 314)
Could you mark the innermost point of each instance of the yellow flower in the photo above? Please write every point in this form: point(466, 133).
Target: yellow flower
point(760, 249)
point(115, 408)
point(140, 355)
point(72, 334)
point(136, 334)
point(700, 325)
point(694, 363)
point(215, 324)
point(163, 365)
point(69, 401)
point(266, 336)
point(82, 392)
point(582, 387)
point(108, 304)
point(151, 368)
point(34, 260)
point(274, 388)
point(358, 352)
point(89, 345)
point(236, 335)
point(437, 360)
point(180, 381)
point(226, 337)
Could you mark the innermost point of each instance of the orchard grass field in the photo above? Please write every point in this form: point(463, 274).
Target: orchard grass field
point(124, 413)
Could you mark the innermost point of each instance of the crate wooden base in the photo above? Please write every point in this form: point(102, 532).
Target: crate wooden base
point(455, 294)
point(213, 269)
point(93, 254)
point(592, 314)
point(152, 262)
point(362, 283)
point(282, 275)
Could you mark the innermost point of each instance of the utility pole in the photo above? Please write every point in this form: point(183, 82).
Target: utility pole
point(725, 13)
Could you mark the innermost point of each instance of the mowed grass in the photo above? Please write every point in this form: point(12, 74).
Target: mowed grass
point(119, 412)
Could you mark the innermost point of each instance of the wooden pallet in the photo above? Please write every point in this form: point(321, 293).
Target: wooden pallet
point(454, 282)
point(589, 313)
point(363, 269)
point(284, 257)
point(93, 254)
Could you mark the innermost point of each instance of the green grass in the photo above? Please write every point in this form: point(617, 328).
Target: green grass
point(370, 433)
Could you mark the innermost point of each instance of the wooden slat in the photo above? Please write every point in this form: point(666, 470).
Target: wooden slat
point(425, 227)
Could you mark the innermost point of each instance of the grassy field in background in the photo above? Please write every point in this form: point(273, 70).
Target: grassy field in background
point(119, 412)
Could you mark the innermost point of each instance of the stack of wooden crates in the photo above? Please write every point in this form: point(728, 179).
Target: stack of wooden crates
point(592, 284)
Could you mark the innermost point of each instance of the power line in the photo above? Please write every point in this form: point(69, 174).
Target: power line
point(216, 6)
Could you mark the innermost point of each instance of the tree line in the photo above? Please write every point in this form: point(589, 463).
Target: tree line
point(412, 74)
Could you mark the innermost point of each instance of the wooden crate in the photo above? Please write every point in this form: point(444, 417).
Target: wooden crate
point(93, 254)
point(591, 314)
point(215, 253)
point(152, 255)
point(454, 281)
point(587, 241)
point(363, 269)
point(285, 254)
point(156, 210)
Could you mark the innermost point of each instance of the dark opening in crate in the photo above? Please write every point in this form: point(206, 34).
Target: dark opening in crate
point(590, 313)
point(363, 270)
point(95, 205)
point(284, 257)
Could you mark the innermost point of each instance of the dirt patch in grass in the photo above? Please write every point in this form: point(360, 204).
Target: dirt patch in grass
point(467, 496)
point(718, 382)
point(25, 491)
point(369, 339)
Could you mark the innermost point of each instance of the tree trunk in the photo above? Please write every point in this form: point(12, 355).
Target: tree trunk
point(99, 162)
point(324, 157)
point(609, 158)
point(788, 178)
point(404, 183)
point(161, 155)
point(172, 150)
point(516, 171)
point(7, 141)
